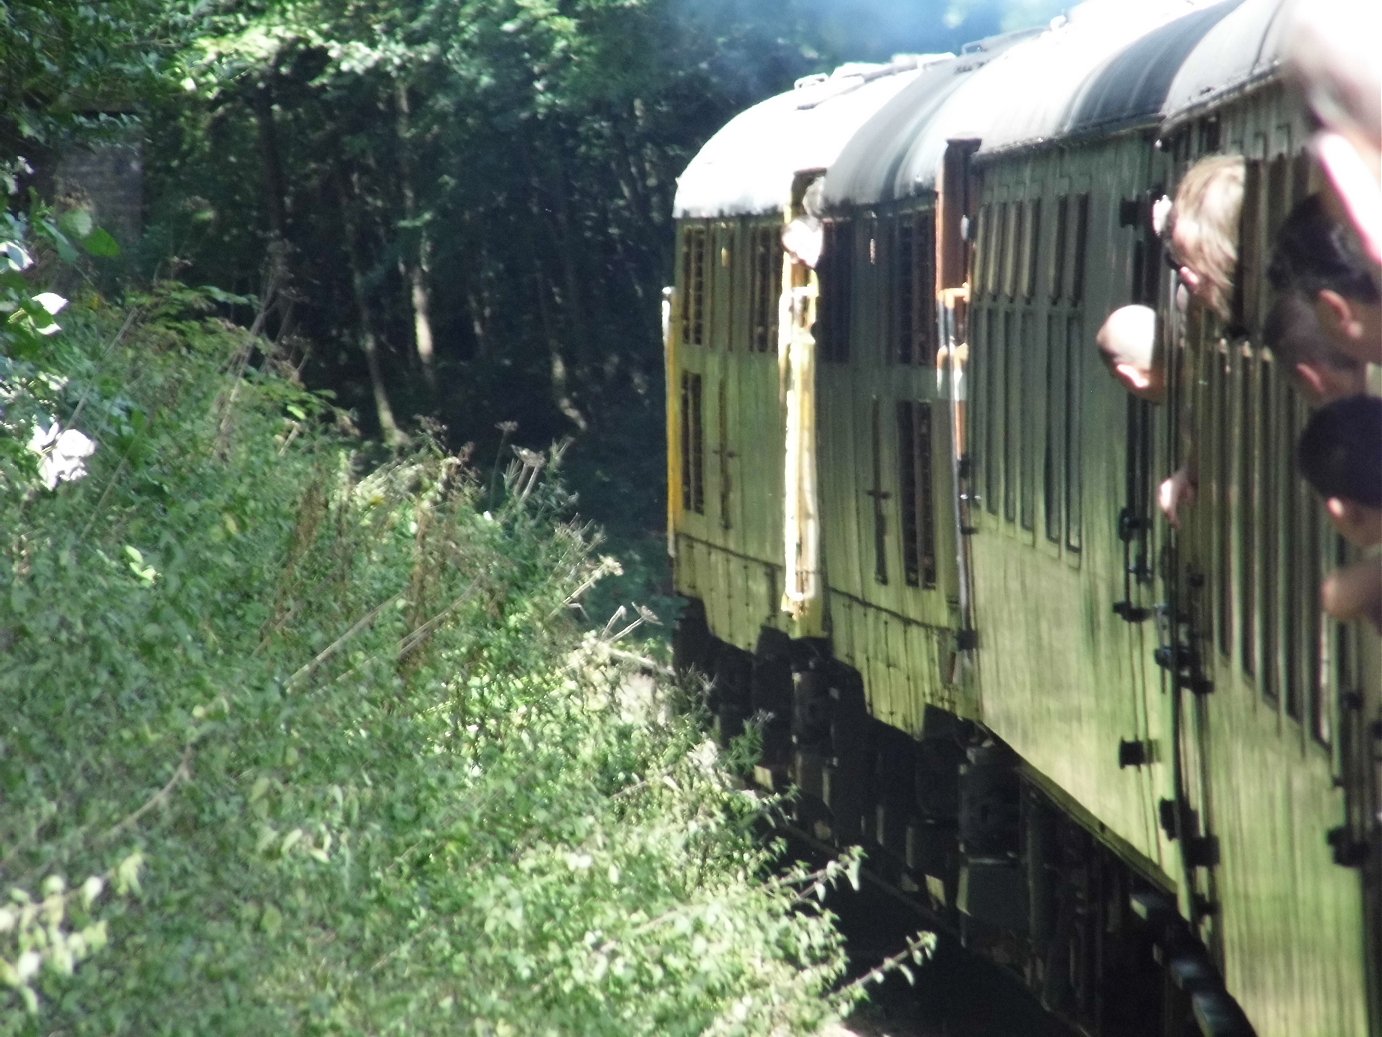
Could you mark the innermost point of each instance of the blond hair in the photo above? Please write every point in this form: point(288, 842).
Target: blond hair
point(1204, 218)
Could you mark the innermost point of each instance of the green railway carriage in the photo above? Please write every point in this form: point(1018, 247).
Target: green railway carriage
point(1280, 784)
point(725, 427)
point(731, 382)
point(918, 533)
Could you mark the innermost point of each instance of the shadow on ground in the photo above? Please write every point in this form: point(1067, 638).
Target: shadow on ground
point(955, 995)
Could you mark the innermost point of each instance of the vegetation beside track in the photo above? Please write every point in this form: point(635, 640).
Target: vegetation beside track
point(297, 744)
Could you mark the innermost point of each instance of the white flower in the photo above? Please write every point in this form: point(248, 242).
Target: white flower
point(61, 453)
point(50, 301)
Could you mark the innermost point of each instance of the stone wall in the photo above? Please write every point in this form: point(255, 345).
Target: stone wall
point(109, 179)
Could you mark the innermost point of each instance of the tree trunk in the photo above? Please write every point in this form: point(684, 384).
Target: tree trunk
point(369, 341)
point(550, 206)
point(275, 189)
point(415, 261)
point(558, 372)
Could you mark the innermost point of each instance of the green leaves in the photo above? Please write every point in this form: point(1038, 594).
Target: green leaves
point(64, 57)
point(330, 748)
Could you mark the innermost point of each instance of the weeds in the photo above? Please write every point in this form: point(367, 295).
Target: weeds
point(293, 749)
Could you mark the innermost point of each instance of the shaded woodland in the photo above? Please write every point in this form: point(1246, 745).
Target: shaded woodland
point(459, 210)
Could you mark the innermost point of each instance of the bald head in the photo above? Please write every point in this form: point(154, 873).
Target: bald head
point(1127, 344)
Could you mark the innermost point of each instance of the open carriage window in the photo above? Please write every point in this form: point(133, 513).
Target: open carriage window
point(692, 443)
point(766, 249)
point(914, 286)
point(836, 272)
point(918, 519)
point(694, 245)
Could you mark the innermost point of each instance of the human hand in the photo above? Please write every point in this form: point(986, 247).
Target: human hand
point(1176, 492)
point(1355, 592)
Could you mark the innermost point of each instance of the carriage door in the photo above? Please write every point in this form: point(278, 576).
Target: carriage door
point(1136, 515)
point(956, 204)
point(722, 399)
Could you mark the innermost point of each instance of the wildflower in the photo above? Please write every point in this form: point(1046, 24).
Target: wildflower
point(61, 453)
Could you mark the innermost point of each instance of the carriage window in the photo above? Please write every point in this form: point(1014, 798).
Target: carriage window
point(1012, 411)
point(1293, 633)
point(918, 520)
point(1080, 238)
point(767, 270)
point(1302, 171)
point(914, 289)
point(1074, 504)
point(1269, 493)
point(1249, 507)
point(1052, 463)
point(1002, 247)
point(1218, 451)
point(1057, 259)
point(988, 256)
point(978, 235)
point(1313, 629)
point(692, 444)
point(904, 288)
point(925, 292)
point(724, 454)
point(992, 358)
point(1012, 253)
point(1030, 248)
point(879, 495)
point(724, 287)
point(693, 250)
point(1244, 302)
point(1210, 133)
point(837, 286)
point(1027, 414)
point(1280, 198)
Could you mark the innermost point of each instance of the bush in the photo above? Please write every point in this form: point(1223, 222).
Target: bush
point(292, 748)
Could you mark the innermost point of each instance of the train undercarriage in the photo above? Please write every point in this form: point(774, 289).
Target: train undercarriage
point(955, 821)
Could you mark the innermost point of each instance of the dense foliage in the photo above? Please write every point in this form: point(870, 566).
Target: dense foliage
point(295, 749)
point(300, 743)
point(463, 205)
point(62, 61)
point(466, 204)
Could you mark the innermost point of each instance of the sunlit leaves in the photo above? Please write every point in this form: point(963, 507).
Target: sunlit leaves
point(64, 57)
point(324, 740)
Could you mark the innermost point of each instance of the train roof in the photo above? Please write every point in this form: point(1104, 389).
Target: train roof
point(881, 131)
point(1132, 87)
point(896, 151)
point(1239, 52)
point(1025, 95)
point(747, 167)
point(1090, 67)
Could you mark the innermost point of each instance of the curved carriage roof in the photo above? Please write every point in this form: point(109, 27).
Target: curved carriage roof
point(882, 130)
point(1132, 87)
point(895, 153)
point(1024, 96)
point(1107, 67)
point(1237, 53)
point(747, 167)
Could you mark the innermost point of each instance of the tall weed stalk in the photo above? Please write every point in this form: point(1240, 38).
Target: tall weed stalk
point(294, 748)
